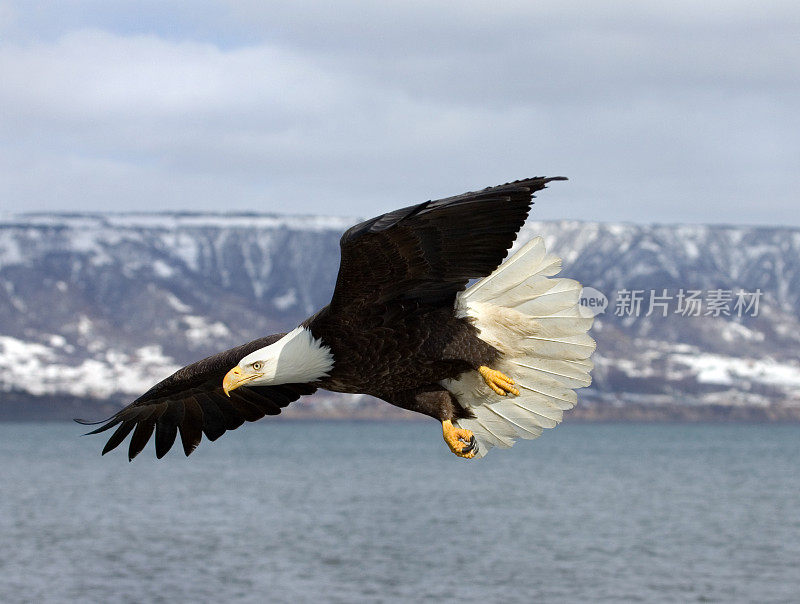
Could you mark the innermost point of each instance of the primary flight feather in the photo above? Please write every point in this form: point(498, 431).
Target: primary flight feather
point(495, 362)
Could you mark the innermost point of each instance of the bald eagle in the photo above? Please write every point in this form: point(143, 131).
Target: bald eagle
point(492, 362)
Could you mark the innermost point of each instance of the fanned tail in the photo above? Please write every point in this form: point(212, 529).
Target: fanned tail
point(536, 323)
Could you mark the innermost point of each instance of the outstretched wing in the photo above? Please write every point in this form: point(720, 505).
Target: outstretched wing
point(192, 401)
point(430, 251)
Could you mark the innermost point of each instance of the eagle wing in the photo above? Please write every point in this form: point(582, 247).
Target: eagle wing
point(192, 401)
point(428, 252)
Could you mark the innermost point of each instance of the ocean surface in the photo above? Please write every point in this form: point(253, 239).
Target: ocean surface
point(382, 512)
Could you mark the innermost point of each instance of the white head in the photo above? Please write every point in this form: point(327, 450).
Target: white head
point(297, 358)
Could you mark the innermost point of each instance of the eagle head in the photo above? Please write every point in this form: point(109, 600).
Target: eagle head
point(297, 358)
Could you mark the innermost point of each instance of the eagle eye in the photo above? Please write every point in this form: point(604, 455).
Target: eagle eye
point(258, 365)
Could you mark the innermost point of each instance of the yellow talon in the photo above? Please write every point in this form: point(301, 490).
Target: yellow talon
point(497, 381)
point(461, 442)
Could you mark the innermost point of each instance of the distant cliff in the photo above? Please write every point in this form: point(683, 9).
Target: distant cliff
point(100, 306)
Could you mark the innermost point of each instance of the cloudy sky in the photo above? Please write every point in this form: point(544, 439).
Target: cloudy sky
point(658, 112)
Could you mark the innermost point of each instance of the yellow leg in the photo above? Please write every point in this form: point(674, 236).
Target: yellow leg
point(461, 442)
point(499, 382)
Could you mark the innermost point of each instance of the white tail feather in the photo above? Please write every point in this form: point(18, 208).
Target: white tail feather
point(571, 347)
point(512, 272)
point(560, 370)
point(535, 322)
point(559, 327)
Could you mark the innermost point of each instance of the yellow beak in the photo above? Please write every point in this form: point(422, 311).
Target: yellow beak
point(235, 378)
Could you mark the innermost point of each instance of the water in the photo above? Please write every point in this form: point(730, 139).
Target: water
point(382, 512)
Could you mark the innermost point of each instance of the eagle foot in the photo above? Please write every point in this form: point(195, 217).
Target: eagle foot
point(497, 381)
point(461, 442)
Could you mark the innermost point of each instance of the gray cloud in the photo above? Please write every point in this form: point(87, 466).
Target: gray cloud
point(680, 114)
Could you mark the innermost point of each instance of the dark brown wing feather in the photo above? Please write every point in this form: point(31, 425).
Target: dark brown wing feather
point(191, 402)
point(430, 251)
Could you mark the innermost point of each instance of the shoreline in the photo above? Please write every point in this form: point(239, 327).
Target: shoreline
point(23, 407)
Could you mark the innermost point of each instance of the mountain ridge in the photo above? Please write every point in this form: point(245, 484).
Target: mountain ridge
point(101, 305)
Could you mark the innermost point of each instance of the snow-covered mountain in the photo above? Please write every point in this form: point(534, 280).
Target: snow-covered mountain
point(102, 305)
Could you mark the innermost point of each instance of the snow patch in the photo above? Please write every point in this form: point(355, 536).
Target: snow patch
point(200, 330)
point(109, 222)
point(41, 370)
point(718, 369)
point(176, 303)
point(162, 269)
point(10, 252)
point(736, 332)
point(84, 325)
point(286, 300)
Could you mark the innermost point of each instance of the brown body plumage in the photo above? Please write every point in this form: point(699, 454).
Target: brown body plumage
point(403, 355)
